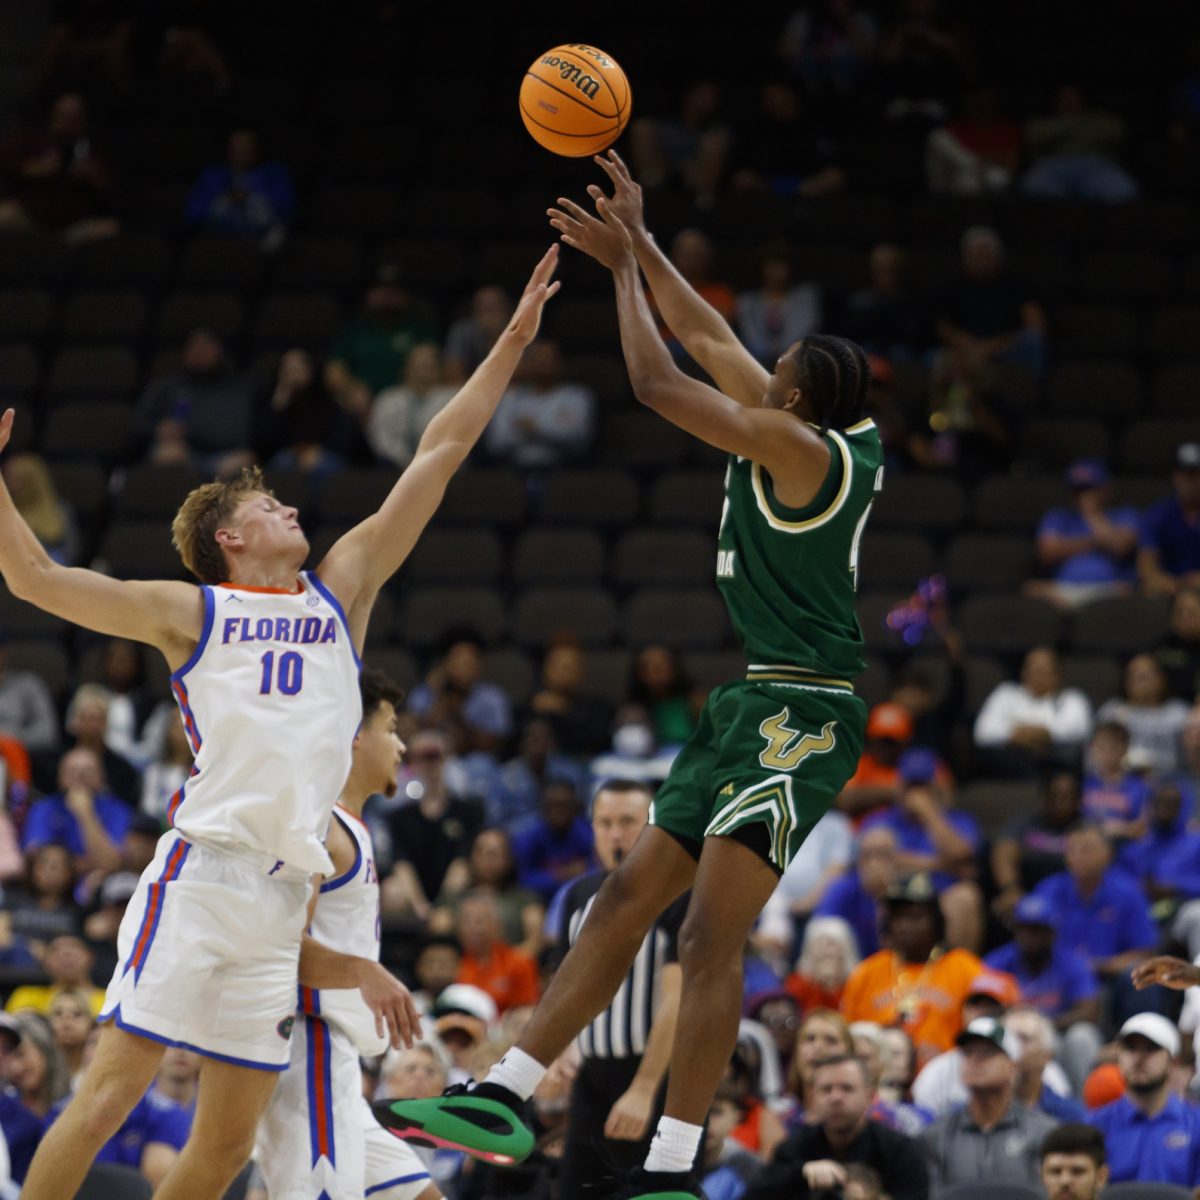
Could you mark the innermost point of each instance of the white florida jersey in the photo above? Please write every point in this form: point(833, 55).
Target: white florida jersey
point(346, 918)
point(270, 702)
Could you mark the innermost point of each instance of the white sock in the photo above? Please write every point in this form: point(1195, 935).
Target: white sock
point(674, 1146)
point(518, 1072)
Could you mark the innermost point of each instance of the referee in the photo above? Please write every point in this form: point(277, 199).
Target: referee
point(626, 1049)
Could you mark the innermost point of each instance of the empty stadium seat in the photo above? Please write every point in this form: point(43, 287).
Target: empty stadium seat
point(995, 804)
point(217, 261)
point(351, 495)
point(1149, 446)
point(1054, 442)
point(590, 497)
point(1119, 625)
point(511, 669)
point(642, 440)
point(924, 502)
point(988, 562)
point(1128, 277)
point(677, 618)
point(26, 314)
point(130, 259)
point(101, 372)
point(89, 431)
point(296, 319)
point(1008, 624)
point(333, 263)
point(1095, 390)
point(888, 559)
point(155, 491)
point(1173, 334)
point(182, 311)
point(540, 614)
point(116, 316)
point(1091, 332)
point(492, 496)
point(430, 612)
point(1004, 502)
point(33, 260)
point(140, 550)
point(654, 557)
point(707, 669)
point(1176, 390)
point(455, 556)
point(557, 556)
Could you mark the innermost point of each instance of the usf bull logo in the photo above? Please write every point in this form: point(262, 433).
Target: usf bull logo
point(788, 748)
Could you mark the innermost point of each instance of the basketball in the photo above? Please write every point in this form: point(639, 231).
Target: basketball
point(575, 100)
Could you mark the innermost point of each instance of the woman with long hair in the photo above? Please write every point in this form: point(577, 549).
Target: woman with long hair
point(37, 1068)
point(37, 500)
point(822, 1033)
point(72, 1022)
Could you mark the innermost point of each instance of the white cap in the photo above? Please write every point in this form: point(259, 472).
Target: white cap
point(464, 997)
point(1155, 1028)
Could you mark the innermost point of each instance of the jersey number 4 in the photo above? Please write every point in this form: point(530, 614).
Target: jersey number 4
point(289, 679)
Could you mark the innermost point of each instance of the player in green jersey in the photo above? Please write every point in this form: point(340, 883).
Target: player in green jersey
point(771, 751)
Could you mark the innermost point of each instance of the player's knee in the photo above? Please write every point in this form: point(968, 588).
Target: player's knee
point(224, 1152)
point(100, 1114)
point(704, 946)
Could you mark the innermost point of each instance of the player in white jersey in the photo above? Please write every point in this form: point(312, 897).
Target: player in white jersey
point(318, 1139)
point(264, 660)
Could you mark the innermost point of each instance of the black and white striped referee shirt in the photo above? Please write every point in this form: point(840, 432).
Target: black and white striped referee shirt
point(622, 1029)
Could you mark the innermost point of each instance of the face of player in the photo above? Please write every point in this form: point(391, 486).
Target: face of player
point(840, 1097)
point(618, 819)
point(1072, 1177)
point(783, 389)
point(263, 530)
point(378, 750)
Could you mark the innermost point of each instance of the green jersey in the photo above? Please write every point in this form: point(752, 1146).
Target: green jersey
point(788, 575)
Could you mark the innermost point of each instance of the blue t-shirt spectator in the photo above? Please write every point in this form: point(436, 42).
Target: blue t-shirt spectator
point(50, 820)
point(1122, 800)
point(846, 897)
point(1061, 1108)
point(543, 854)
point(913, 838)
point(1163, 1148)
point(154, 1120)
point(244, 196)
point(1170, 859)
point(1167, 530)
point(486, 707)
point(1096, 565)
point(22, 1129)
point(1066, 980)
point(1114, 920)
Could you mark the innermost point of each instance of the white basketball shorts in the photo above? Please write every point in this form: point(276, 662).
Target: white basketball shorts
point(208, 954)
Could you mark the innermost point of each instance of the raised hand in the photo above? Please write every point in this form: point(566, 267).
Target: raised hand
point(607, 240)
point(626, 199)
point(539, 289)
point(6, 425)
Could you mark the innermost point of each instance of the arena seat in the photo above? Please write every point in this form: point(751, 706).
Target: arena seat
point(1008, 624)
point(1097, 676)
point(102, 431)
point(590, 496)
point(511, 669)
point(584, 612)
point(220, 261)
point(331, 263)
point(994, 803)
point(33, 260)
point(988, 562)
point(287, 319)
point(1132, 278)
point(94, 372)
point(153, 491)
point(371, 212)
point(889, 559)
point(663, 558)
point(986, 1190)
point(223, 312)
point(557, 556)
point(103, 316)
point(26, 314)
point(608, 672)
point(921, 502)
point(493, 496)
point(1095, 390)
point(1053, 442)
point(1176, 390)
point(1091, 332)
point(1149, 446)
point(1136, 1190)
point(46, 659)
point(1173, 334)
point(455, 556)
point(1013, 503)
point(140, 550)
point(707, 669)
point(128, 259)
point(429, 612)
point(1120, 625)
point(19, 372)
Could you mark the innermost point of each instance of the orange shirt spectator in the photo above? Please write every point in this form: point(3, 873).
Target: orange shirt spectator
point(507, 974)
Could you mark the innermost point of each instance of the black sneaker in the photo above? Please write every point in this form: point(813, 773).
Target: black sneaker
point(659, 1185)
point(486, 1121)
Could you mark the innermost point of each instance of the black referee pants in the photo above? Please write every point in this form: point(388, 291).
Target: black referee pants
point(592, 1164)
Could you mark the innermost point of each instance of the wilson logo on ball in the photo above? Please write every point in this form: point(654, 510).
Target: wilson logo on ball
point(571, 73)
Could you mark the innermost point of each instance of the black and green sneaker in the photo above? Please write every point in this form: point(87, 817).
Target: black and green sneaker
point(487, 1122)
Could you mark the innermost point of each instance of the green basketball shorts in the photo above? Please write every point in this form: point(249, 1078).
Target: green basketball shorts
point(766, 751)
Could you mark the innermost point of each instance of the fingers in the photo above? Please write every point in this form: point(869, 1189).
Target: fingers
point(578, 213)
point(608, 168)
point(380, 1027)
point(610, 218)
point(393, 1028)
point(545, 269)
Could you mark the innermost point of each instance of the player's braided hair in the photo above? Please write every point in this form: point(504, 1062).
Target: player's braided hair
point(834, 375)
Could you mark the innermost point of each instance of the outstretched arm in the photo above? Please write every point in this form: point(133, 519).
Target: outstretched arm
point(168, 615)
point(361, 562)
point(794, 454)
point(701, 330)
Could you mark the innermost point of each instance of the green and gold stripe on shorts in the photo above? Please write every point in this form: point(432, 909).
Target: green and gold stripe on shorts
point(795, 676)
point(771, 803)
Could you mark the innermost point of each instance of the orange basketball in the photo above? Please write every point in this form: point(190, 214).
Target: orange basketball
point(575, 100)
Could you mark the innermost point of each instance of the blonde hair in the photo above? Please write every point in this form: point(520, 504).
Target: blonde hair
point(36, 499)
point(205, 510)
point(837, 930)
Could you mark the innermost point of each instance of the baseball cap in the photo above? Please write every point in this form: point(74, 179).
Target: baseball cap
point(1086, 473)
point(917, 765)
point(1154, 1028)
point(1035, 910)
point(468, 999)
point(996, 986)
point(891, 721)
point(1187, 457)
point(985, 1029)
point(912, 889)
point(118, 888)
